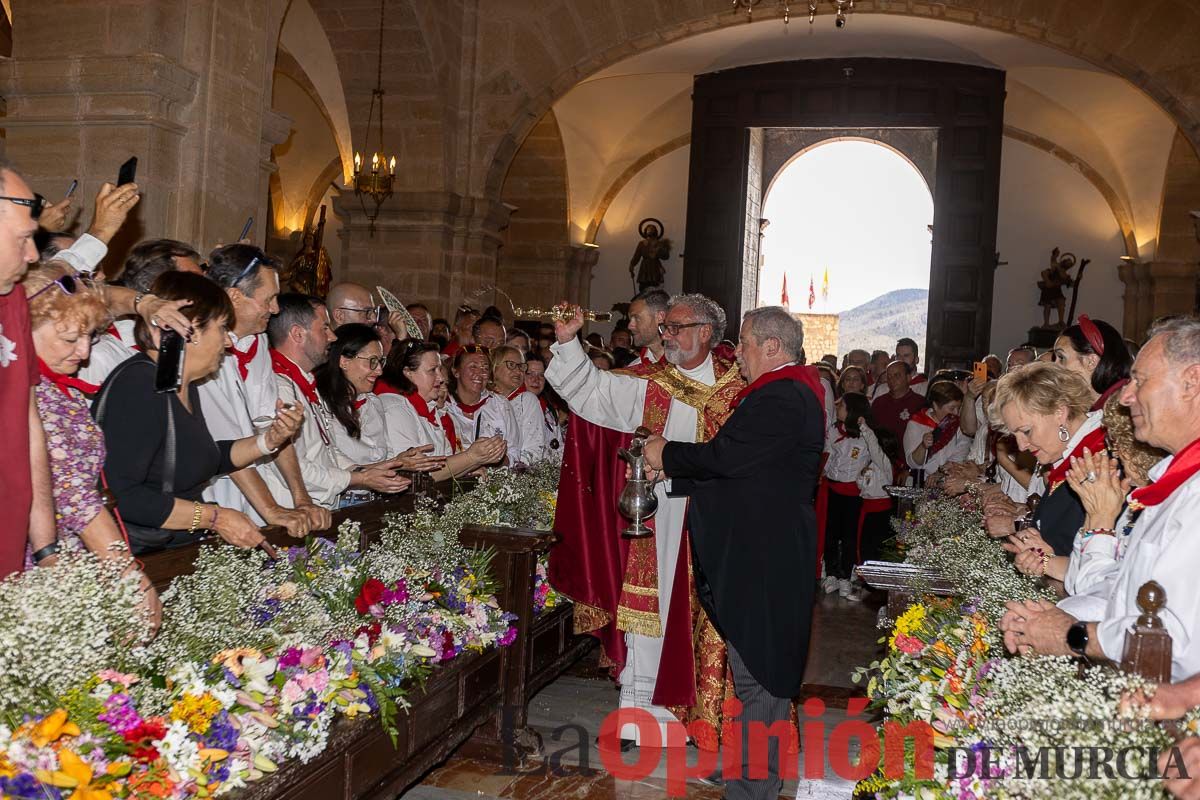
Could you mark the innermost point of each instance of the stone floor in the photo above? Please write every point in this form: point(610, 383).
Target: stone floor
point(567, 714)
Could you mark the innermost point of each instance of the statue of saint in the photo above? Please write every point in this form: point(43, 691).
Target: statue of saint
point(651, 251)
point(309, 271)
point(1054, 278)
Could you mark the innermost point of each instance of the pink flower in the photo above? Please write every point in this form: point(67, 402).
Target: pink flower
point(292, 691)
point(908, 645)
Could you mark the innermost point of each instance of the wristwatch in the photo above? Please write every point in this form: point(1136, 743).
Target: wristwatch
point(1077, 638)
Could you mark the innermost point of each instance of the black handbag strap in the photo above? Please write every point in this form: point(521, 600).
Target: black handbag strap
point(101, 406)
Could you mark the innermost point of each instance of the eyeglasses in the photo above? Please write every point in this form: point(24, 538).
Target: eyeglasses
point(35, 204)
point(69, 284)
point(674, 328)
point(516, 366)
point(374, 362)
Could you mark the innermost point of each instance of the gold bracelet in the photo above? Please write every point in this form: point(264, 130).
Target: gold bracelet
point(196, 506)
point(1045, 562)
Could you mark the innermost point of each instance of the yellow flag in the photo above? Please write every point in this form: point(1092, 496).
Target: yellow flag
point(825, 285)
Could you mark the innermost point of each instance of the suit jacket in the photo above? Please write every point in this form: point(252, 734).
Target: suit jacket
point(753, 529)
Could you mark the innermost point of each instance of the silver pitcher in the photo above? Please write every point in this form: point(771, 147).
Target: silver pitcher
point(638, 502)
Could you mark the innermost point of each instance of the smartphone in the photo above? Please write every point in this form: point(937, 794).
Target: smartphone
point(980, 371)
point(246, 228)
point(71, 189)
point(169, 376)
point(128, 172)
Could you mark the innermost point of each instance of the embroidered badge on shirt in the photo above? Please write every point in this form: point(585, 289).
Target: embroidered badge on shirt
point(904, 415)
point(854, 452)
point(8, 349)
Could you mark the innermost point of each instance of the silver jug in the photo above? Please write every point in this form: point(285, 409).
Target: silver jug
point(638, 502)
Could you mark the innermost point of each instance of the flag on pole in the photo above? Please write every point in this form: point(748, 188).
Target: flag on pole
point(812, 293)
point(784, 300)
point(825, 285)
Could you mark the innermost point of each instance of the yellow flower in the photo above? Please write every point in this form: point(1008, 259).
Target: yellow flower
point(911, 619)
point(52, 727)
point(197, 711)
point(76, 774)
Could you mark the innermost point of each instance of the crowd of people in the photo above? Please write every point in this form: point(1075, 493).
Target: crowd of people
point(188, 395)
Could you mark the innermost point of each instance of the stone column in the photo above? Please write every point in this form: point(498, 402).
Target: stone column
point(1155, 290)
point(430, 247)
point(581, 262)
point(182, 84)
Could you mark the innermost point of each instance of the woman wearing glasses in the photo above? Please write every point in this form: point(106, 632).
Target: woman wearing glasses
point(160, 452)
point(64, 314)
point(508, 381)
point(477, 412)
point(554, 410)
point(346, 382)
point(416, 418)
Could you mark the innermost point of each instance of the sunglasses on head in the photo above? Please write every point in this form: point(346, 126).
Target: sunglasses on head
point(474, 349)
point(35, 204)
point(69, 284)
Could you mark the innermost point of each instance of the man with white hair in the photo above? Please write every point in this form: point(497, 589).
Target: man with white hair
point(645, 591)
point(1163, 397)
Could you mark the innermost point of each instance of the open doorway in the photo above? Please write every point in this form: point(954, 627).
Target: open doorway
point(849, 231)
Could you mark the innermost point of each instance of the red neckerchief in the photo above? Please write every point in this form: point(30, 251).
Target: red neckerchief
point(917, 379)
point(470, 408)
point(1094, 442)
point(841, 429)
point(1109, 392)
point(360, 403)
point(66, 383)
point(282, 365)
point(519, 390)
point(112, 331)
point(426, 413)
point(244, 359)
point(1185, 464)
point(943, 432)
point(809, 376)
point(383, 387)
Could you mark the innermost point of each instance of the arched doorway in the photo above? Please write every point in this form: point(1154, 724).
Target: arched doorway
point(850, 217)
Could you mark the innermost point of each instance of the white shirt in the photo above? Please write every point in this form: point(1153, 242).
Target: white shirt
point(644, 356)
point(372, 444)
point(957, 450)
point(405, 428)
point(325, 469)
point(494, 418)
point(878, 473)
point(108, 352)
point(1162, 548)
point(231, 404)
point(85, 254)
point(1095, 559)
point(848, 456)
point(535, 438)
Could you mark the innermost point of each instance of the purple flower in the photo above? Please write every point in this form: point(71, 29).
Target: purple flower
point(508, 637)
point(290, 658)
point(119, 713)
point(25, 785)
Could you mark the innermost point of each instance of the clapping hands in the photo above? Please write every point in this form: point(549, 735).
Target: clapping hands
point(1096, 479)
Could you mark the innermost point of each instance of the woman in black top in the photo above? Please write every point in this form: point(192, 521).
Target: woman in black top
point(158, 478)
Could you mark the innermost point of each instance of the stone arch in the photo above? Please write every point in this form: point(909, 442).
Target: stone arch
point(1099, 33)
point(625, 177)
point(924, 170)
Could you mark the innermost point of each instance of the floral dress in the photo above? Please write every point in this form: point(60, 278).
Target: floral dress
point(75, 445)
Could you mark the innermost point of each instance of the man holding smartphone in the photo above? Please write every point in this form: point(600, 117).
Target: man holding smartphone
point(241, 397)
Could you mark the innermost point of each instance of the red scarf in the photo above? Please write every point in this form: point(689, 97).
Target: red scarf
point(112, 331)
point(244, 359)
point(808, 376)
point(360, 403)
point(842, 435)
point(470, 408)
point(1185, 464)
point(916, 379)
point(426, 413)
point(1094, 442)
point(383, 387)
point(519, 390)
point(286, 367)
point(1109, 392)
point(66, 383)
point(943, 432)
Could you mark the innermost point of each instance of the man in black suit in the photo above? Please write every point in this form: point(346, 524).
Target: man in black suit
point(752, 525)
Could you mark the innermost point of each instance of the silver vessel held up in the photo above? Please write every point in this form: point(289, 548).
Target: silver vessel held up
point(638, 502)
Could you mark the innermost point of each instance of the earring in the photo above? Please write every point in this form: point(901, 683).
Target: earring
point(1064, 435)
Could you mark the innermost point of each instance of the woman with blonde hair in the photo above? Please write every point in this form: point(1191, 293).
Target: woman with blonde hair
point(1046, 407)
point(64, 313)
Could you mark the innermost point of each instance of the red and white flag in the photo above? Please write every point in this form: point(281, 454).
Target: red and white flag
point(784, 300)
point(812, 293)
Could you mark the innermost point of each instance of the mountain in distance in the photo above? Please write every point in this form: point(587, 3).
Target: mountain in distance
point(878, 323)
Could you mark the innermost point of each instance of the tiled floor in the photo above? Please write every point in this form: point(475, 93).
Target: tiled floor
point(568, 713)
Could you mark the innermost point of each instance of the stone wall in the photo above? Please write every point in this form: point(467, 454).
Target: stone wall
point(820, 335)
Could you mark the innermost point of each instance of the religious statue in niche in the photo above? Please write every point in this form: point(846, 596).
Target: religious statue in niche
point(309, 271)
point(651, 251)
point(1054, 278)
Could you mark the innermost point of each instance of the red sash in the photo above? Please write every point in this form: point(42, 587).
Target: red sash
point(809, 376)
point(943, 432)
point(426, 413)
point(383, 387)
point(1185, 464)
point(360, 403)
point(66, 383)
point(112, 331)
point(244, 359)
point(470, 408)
point(282, 365)
point(519, 390)
point(1094, 441)
point(917, 379)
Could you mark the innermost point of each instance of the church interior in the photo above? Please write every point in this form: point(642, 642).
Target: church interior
point(511, 152)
